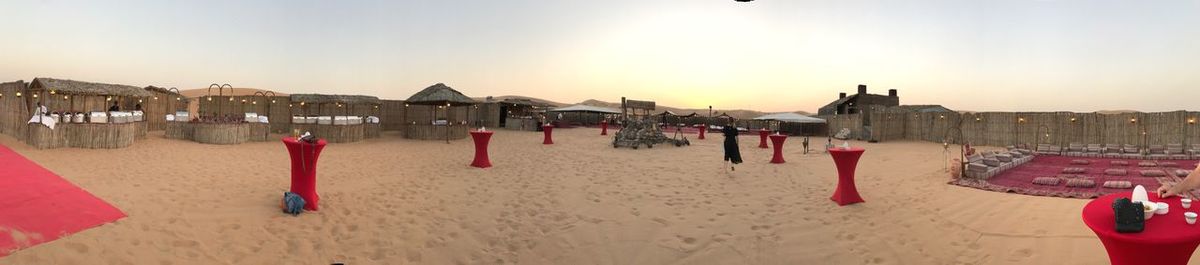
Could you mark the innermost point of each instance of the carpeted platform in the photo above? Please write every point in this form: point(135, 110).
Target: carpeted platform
point(1020, 179)
point(38, 206)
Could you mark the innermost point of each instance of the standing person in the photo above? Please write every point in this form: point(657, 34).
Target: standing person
point(732, 154)
point(40, 111)
point(114, 107)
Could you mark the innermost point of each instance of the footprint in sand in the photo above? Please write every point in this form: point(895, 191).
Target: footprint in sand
point(77, 247)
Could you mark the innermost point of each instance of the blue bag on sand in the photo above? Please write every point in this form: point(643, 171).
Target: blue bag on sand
point(292, 203)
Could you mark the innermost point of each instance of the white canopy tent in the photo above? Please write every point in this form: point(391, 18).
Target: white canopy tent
point(790, 117)
point(586, 108)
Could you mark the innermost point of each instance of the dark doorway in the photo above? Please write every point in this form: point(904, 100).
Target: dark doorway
point(503, 115)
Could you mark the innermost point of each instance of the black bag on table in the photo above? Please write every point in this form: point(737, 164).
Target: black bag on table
point(1130, 216)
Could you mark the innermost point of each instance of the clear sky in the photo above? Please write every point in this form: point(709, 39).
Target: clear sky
point(772, 55)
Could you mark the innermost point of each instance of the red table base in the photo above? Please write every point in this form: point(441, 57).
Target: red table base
point(702, 129)
point(778, 140)
point(1166, 239)
point(846, 161)
point(548, 130)
point(481, 149)
point(604, 128)
point(762, 138)
point(304, 169)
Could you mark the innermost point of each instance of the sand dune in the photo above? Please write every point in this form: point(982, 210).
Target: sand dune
point(580, 201)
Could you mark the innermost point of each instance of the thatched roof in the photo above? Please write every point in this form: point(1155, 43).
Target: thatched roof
point(86, 88)
point(439, 94)
point(320, 98)
point(163, 90)
point(525, 102)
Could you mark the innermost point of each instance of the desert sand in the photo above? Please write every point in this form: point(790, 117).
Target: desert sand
point(580, 201)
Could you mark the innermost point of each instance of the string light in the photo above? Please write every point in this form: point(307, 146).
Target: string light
point(254, 102)
point(52, 92)
point(1132, 120)
point(178, 98)
point(18, 94)
point(1072, 119)
point(64, 96)
point(35, 95)
point(301, 103)
point(272, 101)
point(139, 101)
point(1192, 121)
point(155, 97)
point(209, 98)
point(1020, 119)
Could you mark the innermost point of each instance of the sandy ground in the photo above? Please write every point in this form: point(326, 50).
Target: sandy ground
point(398, 201)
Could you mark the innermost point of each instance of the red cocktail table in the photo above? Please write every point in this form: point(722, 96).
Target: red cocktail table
point(846, 161)
point(762, 138)
point(777, 141)
point(481, 139)
point(1167, 239)
point(547, 130)
point(304, 169)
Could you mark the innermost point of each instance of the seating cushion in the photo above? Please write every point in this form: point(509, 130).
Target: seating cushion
point(1116, 172)
point(1182, 173)
point(1048, 181)
point(1147, 164)
point(991, 162)
point(1080, 162)
point(1153, 173)
point(1119, 163)
point(1168, 164)
point(1118, 184)
point(1081, 183)
point(1074, 170)
point(977, 167)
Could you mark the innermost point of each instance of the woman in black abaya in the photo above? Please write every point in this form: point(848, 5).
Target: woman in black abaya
point(731, 145)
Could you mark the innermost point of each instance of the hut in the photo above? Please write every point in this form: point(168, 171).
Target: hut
point(79, 117)
point(437, 112)
point(585, 114)
point(226, 118)
point(510, 113)
point(162, 102)
point(336, 118)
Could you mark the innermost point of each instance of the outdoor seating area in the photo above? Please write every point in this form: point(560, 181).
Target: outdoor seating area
point(1123, 151)
point(1064, 176)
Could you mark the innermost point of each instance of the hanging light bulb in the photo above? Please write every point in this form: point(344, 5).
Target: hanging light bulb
point(178, 98)
point(64, 96)
point(52, 92)
point(35, 95)
point(139, 101)
point(301, 103)
point(1192, 121)
point(18, 94)
point(272, 101)
point(254, 103)
point(209, 98)
point(155, 97)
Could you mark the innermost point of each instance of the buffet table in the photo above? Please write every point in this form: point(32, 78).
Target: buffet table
point(334, 133)
point(220, 133)
point(84, 135)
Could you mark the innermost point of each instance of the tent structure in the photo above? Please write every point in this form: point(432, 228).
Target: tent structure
point(586, 108)
point(438, 97)
point(790, 117)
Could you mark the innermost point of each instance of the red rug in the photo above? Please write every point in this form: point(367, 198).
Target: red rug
point(37, 206)
point(1020, 179)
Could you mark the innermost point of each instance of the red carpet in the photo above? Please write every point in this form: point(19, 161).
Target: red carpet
point(1020, 179)
point(37, 206)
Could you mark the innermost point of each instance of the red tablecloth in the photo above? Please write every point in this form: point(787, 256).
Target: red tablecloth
point(846, 161)
point(481, 149)
point(603, 127)
point(762, 138)
point(1167, 239)
point(547, 130)
point(777, 141)
point(304, 169)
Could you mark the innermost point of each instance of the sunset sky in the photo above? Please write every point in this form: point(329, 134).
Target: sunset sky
point(770, 55)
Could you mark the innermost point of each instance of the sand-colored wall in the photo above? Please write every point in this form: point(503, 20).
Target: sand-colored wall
point(14, 111)
point(1060, 128)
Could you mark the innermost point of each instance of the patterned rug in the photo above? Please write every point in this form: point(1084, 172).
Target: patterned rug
point(1020, 179)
